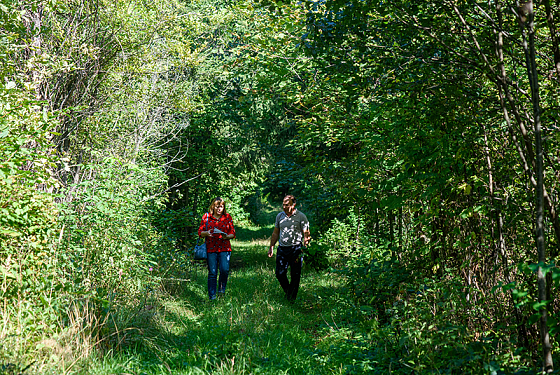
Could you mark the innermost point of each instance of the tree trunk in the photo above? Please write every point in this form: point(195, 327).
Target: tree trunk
point(527, 11)
point(400, 245)
point(377, 226)
point(553, 37)
point(501, 241)
point(391, 228)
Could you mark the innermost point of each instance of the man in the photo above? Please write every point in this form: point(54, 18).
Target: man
point(291, 229)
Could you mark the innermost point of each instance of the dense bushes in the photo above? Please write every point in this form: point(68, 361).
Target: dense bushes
point(108, 244)
point(28, 221)
point(414, 163)
point(337, 244)
point(418, 322)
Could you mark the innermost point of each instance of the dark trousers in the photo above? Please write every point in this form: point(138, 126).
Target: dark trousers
point(289, 256)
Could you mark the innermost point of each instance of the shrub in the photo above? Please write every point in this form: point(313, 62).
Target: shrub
point(338, 244)
point(27, 222)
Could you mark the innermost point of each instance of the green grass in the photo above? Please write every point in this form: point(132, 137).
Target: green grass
point(255, 330)
point(252, 330)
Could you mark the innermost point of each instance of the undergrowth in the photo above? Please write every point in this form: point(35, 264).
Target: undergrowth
point(252, 330)
point(372, 317)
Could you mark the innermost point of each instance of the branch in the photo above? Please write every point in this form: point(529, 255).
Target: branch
point(172, 187)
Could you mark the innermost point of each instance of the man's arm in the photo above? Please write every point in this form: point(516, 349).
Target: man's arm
point(306, 237)
point(273, 239)
point(305, 230)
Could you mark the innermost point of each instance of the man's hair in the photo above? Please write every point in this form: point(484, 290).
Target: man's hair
point(216, 202)
point(290, 197)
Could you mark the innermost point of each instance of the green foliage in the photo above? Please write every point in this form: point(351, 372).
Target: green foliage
point(219, 140)
point(108, 241)
point(390, 121)
point(27, 209)
point(396, 114)
point(426, 323)
point(110, 254)
point(82, 261)
point(338, 245)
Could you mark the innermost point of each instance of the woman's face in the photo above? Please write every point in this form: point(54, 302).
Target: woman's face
point(219, 209)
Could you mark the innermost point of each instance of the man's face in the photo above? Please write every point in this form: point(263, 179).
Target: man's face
point(288, 206)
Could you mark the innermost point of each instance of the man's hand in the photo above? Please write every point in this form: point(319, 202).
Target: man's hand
point(306, 238)
point(273, 238)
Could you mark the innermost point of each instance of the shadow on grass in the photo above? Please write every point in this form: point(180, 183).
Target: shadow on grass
point(230, 333)
point(243, 255)
point(253, 233)
point(253, 329)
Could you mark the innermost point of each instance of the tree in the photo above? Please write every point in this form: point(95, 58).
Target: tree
point(431, 71)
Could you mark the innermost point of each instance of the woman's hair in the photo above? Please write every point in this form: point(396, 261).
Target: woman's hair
point(216, 202)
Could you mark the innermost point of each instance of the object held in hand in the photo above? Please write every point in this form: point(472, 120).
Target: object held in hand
point(217, 231)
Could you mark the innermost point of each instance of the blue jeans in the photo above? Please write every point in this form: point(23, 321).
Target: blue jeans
point(214, 260)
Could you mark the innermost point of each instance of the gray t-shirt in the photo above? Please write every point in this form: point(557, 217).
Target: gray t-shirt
point(291, 228)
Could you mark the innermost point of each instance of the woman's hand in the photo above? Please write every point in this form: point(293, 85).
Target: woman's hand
point(206, 233)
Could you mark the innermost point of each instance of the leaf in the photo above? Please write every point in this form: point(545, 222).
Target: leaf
point(537, 306)
point(11, 233)
point(7, 274)
point(466, 188)
point(534, 318)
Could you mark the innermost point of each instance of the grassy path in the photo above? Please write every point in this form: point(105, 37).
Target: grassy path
point(252, 330)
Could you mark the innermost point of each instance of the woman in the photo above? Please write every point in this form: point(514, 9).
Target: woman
point(217, 227)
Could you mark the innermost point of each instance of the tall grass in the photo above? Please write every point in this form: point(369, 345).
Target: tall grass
point(252, 330)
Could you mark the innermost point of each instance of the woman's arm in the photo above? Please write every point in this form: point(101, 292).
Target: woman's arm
point(230, 228)
point(201, 228)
